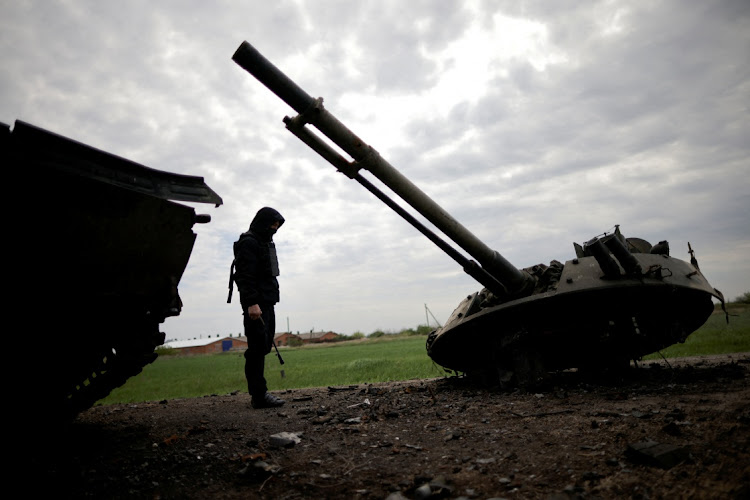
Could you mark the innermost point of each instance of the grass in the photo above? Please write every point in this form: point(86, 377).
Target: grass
point(715, 336)
point(374, 360)
point(383, 359)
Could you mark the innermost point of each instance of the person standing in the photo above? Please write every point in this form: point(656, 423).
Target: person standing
point(255, 270)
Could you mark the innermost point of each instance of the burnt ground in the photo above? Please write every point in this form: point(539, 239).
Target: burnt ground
point(678, 431)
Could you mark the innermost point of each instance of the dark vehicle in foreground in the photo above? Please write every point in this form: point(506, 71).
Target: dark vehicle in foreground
point(615, 300)
point(96, 252)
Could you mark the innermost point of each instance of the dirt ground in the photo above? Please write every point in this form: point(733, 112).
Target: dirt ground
point(677, 431)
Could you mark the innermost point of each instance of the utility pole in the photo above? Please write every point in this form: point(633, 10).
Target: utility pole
point(427, 311)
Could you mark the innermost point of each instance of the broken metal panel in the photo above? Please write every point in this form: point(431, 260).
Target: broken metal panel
point(36, 148)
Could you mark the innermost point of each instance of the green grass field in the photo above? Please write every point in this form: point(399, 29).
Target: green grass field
point(715, 336)
point(384, 359)
point(367, 361)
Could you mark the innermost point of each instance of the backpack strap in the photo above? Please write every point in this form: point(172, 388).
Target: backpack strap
point(231, 281)
point(232, 269)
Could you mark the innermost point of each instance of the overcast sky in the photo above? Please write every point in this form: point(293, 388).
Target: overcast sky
point(535, 124)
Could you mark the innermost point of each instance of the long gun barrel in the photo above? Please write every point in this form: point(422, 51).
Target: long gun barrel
point(495, 273)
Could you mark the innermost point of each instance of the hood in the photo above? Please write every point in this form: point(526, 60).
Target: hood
point(261, 224)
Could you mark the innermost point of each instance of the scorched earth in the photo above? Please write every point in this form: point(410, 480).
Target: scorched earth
point(677, 430)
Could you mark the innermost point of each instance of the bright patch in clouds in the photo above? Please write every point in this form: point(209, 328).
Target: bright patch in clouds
point(534, 123)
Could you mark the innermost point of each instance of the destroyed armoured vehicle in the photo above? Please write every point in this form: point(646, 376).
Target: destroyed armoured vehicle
point(96, 250)
point(616, 300)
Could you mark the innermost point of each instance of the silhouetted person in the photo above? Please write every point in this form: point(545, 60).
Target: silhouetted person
point(256, 269)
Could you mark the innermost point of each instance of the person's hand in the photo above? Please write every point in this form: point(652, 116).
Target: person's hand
point(254, 311)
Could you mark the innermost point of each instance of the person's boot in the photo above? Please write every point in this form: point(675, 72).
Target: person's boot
point(267, 400)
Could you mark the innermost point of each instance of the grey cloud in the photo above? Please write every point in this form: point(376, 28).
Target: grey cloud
point(645, 127)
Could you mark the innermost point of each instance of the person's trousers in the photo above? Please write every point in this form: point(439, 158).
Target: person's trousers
point(259, 343)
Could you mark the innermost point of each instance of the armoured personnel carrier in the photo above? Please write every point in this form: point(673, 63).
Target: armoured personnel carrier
point(96, 248)
point(615, 300)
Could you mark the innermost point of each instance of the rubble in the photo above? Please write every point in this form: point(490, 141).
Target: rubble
point(500, 444)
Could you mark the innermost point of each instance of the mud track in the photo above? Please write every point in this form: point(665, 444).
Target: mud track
point(677, 431)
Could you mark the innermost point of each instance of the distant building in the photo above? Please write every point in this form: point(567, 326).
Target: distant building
point(282, 339)
point(315, 337)
point(214, 345)
point(208, 345)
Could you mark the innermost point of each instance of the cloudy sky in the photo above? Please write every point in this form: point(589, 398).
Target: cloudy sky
point(534, 123)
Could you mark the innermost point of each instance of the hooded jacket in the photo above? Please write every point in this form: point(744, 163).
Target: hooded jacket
point(256, 265)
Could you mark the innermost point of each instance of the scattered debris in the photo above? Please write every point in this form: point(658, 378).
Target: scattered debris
point(445, 428)
point(346, 388)
point(656, 454)
point(285, 439)
point(541, 414)
point(365, 402)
